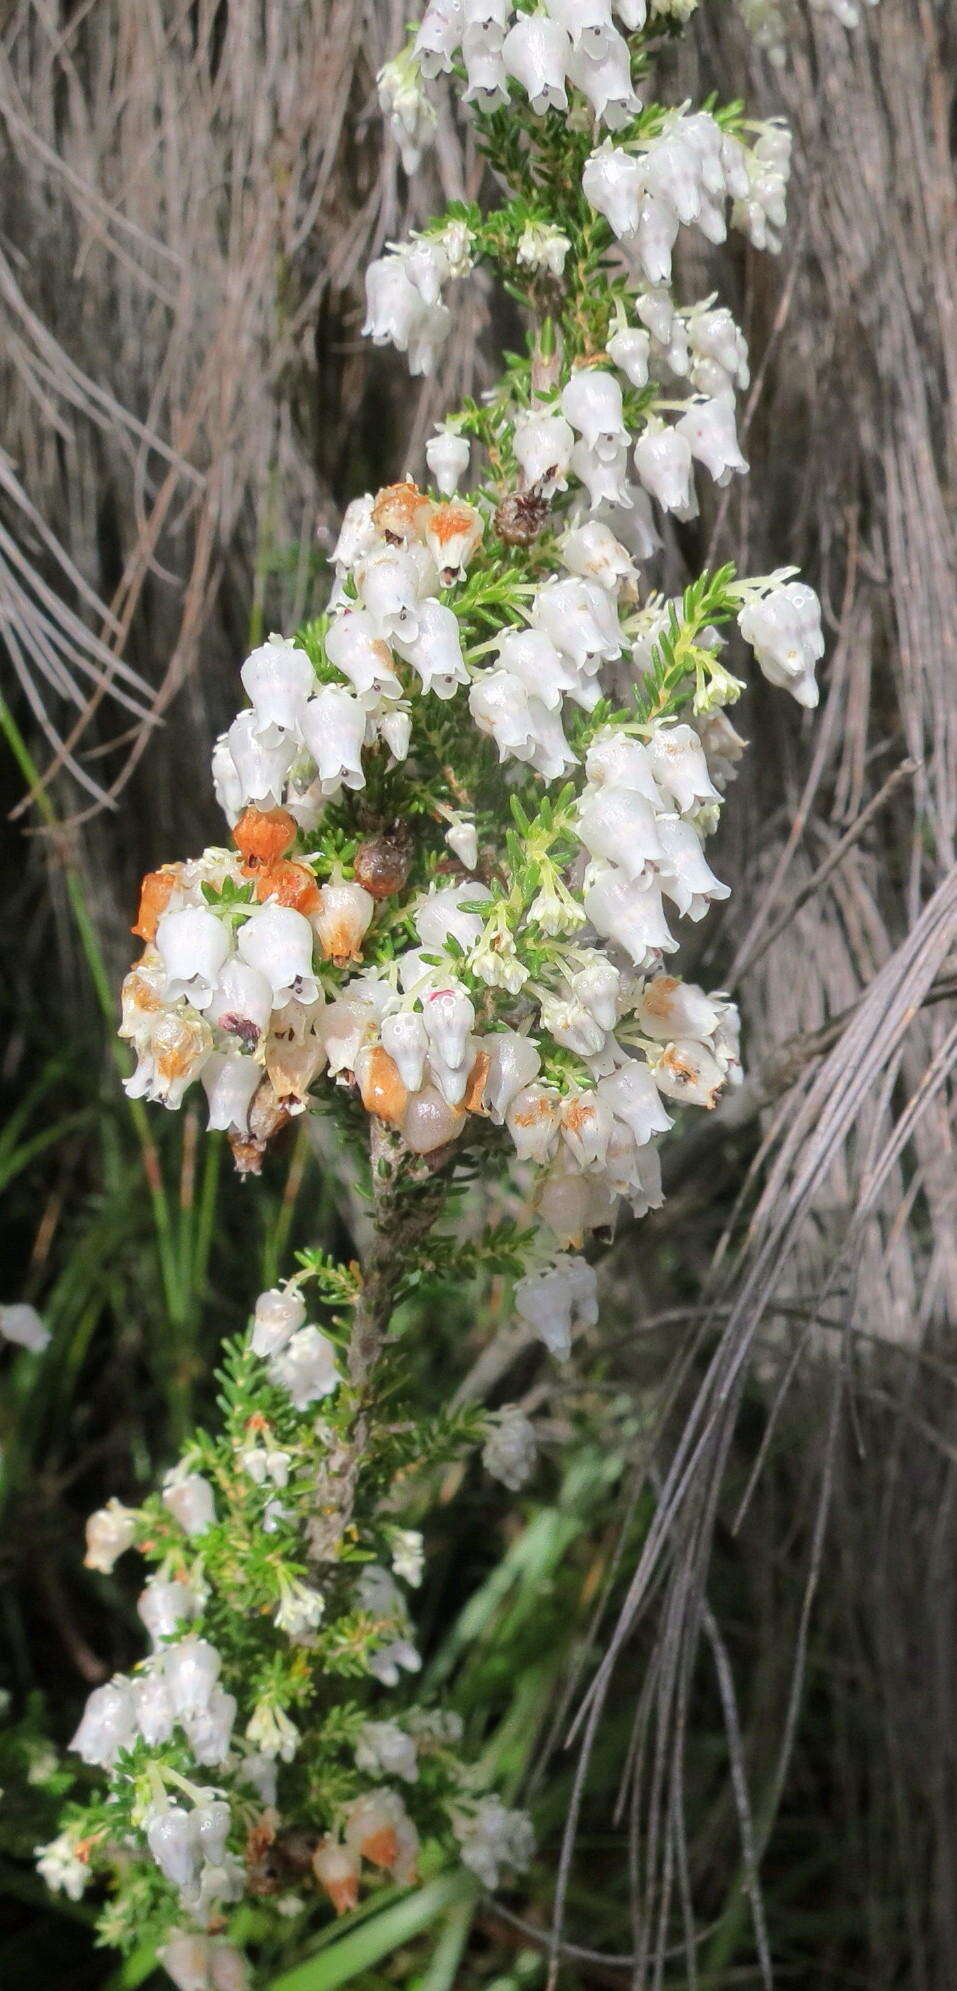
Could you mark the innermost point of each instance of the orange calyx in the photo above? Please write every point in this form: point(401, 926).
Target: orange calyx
point(292, 884)
point(262, 836)
point(155, 893)
point(474, 1100)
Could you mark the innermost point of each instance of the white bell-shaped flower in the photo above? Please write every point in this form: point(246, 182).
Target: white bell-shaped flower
point(784, 631)
point(592, 551)
point(260, 770)
point(672, 171)
point(242, 1002)
point(580, 620)
point(171, 1838)
point(306, 1367)
point(630, 914)
point(209, 1733)
point(598, 987)
point(278, 942)
point(278, 1313)
point(438, 37)
point(530, 655)
point(573, 1203)
point(679, 765)
point(109, 1533)
point(558, 1302)
point(189, 1498)
point(191, 1669)
point(108, 1724)
point(631, 1094)
point(447, 454)
point(630, 348)
point(532, 1121)
point(343, 920)
point(604, 476)
point(390, 590)
point(445, 912)
point(510, 1452)
point(591, 402)
point(513, 1063)
point(193, 946)
point(671, 1008)
point(618, 761)
point(383, 1749)
point(685, 876)
point(164, 1605)
point(435, 652)
point(154, 1710)
point(394, 307)
point(606, 81)
point(355, 647)
point(710, 429)
point(715, 339)
point(632, 14)
point(586, 1127)
point(620, 826)
point(656, 237)
point(227, 786)
point(588, 22)
point(572, 1025)
point(277, 679)
point(689, 1072)
point(333, 728)
point(462, 839)
point(543, 446)
point(613, 185)
point(542, 248)
point(230, 1081)
point(486, 76)
point(662, 458)
point(536, 51)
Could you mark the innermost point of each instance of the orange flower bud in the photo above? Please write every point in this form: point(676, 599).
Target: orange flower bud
point(292, 884)
point(155, 894)
point(382, 1090)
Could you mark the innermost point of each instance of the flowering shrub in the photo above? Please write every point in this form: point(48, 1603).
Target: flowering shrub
point(467, 808)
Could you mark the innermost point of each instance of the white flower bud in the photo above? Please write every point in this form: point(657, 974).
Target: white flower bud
point(513, 1063)
point(300, 1609)
point(680, 768)
point(394, 307)
point(272, 1733)
point(630, 914)
point(784, 630)
point(343, 1027)
point(209, 1732)
point(404, 101)
point(449, 1017)
point(277, 679)
point(536, 52)
point(395, 729)
point(612, 184)
point(542, 248)
point(510, 1452)
point(408, 1555)
point(189, 1498)
point(109, 1533)
point(193, 946)
point(671, 1008)
point(630, 348)
point(447, 454)
point(108, 1724)
point(403, 1036)
point(441, 913)
point(278, 942)
point(462, 838)
point(305, 1367)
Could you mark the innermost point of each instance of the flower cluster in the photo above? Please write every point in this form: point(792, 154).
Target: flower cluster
point(468, 805)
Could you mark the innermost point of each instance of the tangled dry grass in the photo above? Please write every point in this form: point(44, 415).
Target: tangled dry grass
point(197, 189)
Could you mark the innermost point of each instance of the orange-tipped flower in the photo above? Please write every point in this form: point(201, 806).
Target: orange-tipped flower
point(155, 894)
point(383, 1092)
point(396, 509)
point(263, 836)
point(337, 1871)
point(290, 883)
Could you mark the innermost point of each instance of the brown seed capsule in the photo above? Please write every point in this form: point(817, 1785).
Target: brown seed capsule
point(521, 517)
point(382, 863)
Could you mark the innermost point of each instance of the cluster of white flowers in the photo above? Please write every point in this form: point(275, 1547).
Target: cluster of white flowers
point(510, 1452)
point(177, 1687)
point(493, 1840)
point(404, 293)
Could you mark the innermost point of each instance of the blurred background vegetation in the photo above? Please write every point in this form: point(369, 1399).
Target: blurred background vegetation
point(191, 194)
